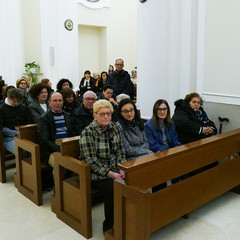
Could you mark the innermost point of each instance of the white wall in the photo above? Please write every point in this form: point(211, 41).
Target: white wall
point(120, 21)
point(36, 32)
point(92, 49)
point(11, 44)
point(64, 43)
point(186, 46)
point(219, 51)
point(166, 51)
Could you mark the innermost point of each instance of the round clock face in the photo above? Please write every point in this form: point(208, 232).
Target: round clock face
point(68, 24)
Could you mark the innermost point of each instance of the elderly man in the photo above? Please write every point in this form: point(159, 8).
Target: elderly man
point(83, 115)
point(120, 79)
point(101, 147)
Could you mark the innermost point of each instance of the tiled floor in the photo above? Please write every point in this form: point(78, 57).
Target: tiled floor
point(20, 219)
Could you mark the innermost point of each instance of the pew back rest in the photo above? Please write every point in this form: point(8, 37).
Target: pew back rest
point(28, 132)
point(153, 169)
point(69, 146)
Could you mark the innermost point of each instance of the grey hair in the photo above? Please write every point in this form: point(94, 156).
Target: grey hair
point(88, 92)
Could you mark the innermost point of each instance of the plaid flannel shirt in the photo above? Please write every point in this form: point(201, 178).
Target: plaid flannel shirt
point(102, 149)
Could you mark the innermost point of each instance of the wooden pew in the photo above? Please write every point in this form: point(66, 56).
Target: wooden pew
point(138, 212)
point(4, 156)
point(72, 199)
point(29, 169)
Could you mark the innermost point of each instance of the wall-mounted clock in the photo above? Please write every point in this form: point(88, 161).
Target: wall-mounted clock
point(68, 24)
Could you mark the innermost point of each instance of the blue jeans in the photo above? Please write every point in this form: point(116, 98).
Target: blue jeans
point(9, 146)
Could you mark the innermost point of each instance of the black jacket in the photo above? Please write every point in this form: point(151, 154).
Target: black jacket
point(121, 82)
point(188, 124)
point(47, 134)
point(81, 119)
point(36, 110)
point(11, 117)
point(83, 88)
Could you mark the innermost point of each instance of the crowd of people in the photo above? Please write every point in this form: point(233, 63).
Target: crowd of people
point(105, 116)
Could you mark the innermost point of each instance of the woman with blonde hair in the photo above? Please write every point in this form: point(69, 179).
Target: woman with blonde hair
point(101, 147)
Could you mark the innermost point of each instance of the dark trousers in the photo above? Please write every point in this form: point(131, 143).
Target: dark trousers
point(106, 188)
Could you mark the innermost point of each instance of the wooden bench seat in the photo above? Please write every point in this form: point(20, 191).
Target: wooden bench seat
point(4, 157)
point(73, 198)
point(29, 170)
point(138, 212)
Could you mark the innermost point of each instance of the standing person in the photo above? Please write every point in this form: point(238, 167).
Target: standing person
point(192, 122)
point(120, 79)
point(12, 114)
point(161, 133)
point(54, 124)
point(83, 115)
point(39, 94)
point(101, 147)
point(132, 130)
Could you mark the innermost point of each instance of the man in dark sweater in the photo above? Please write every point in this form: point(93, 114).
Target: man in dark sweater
point(54, 124)
point(120, 79)
point(83, 115)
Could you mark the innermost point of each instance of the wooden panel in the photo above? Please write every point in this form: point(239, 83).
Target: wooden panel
point(28, 171)
point(138, 213)
point(72, 202)
point(180, 160)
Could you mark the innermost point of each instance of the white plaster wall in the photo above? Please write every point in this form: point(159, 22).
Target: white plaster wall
point(219, 51)
point(11, 44)
point(31, 31)
point(58, 41)
point(120, 20)
point(166, 51)
point(36, 33)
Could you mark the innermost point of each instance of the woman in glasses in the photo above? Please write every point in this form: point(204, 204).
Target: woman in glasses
point(132, 130)
point(192, 122)
point(161, 133)
point(101, 147)
point(160, 129)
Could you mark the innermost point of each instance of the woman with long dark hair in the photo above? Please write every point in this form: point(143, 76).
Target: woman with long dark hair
point(161, 133)
point(160, 129)
point(132, 130)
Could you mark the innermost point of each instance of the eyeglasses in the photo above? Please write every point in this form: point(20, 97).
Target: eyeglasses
point(162, 109)
point(90, 99)
point(128, 111)
point(103, 114)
